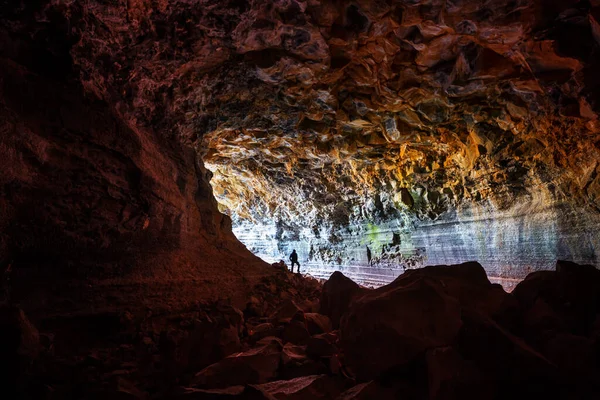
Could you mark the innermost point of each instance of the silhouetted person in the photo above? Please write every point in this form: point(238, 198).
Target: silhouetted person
point(294, 260)
point(369, 255)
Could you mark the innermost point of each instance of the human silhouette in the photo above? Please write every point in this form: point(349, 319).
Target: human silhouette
point(294, 260)
point(369, 255)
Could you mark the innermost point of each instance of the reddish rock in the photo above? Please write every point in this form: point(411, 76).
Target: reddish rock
point(253, 366)
point(317, 323)
point(336, 296)
point(370, 390)
point(295, 332)
point(323, 345)
point(389, 326)
point(450, 377)
point(306, 387)
point(234, 393)
point(261, 331)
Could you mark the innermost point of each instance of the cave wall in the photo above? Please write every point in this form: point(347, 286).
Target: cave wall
point(97, 208)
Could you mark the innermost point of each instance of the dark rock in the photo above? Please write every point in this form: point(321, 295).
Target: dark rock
point(513, 365)
point(317, 323)
point(391, 325)
point(288, 310)
point(234, 392)
point(451, 377)
point(295, 332)
point(306, 387)
point(19, 346)
point(336, 296)
point(322, 345)
point(295, 363)
point(370, 390)
point(572, 292)
point(261, 331)
point(253, 366)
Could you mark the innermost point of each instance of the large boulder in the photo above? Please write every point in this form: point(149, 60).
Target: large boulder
point(257, 365)
point(468, 283)
point(572, 292)
point(391, 325)
point(451, 377)
point(514, 366)
point(336, 296)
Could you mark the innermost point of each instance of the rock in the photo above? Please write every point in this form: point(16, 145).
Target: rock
point(261, 331)
point(19, 347)
point(122, 390)
point(389, 326)
point(257, 365)
point(288, 310)
point(234, 392)
point(450, 377)
point(369, 390)
point(295, 332)
point(513, 365)
point(572, 292)
point(468, 283)
point(575, 355)
point(295, 363)
point(306, 387)
point(317, 323)
point(322, 345)
point(336, 296)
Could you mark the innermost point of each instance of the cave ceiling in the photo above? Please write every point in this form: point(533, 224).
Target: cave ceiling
point(334, 111)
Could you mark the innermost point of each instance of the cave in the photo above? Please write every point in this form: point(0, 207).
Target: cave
point(435, 164)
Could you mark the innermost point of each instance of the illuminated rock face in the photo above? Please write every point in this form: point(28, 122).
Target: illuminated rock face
point(427, 132)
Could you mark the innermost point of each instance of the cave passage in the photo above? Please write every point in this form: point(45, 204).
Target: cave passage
point(158, 158)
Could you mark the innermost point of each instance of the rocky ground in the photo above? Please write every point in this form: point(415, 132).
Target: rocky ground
point(433, 333)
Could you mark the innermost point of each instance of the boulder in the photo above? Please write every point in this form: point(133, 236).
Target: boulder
point(286, 311)
point(317, 323)
point(306, 388)
point(257, 365)
point(572, 292)
point(295, 363)
point(234, 393)
point(450, 377)
point(391, 325)
point(322, 345)
point(262, 330)
point(295, 332)
point(468, 283)
point(336, 296)
point(513, 365)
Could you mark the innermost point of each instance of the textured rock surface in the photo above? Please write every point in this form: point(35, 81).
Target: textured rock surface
point(98, 207)
point(430, 132)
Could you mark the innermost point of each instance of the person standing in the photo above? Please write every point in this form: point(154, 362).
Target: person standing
point(294, 260)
